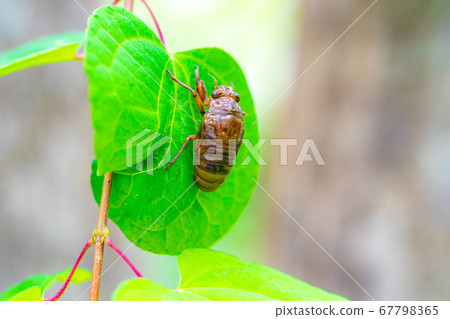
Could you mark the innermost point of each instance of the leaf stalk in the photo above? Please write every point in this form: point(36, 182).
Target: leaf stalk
point(58, 295)
point(110, 243)
point(161, 37)
point(129, 6)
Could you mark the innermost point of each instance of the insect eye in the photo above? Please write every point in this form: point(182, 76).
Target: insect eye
point(216, 94)
point(237, 97)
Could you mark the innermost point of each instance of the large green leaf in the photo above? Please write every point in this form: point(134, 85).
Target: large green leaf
point(49, 49)
point(211, 275)
point(130, 92)
point(33, 288)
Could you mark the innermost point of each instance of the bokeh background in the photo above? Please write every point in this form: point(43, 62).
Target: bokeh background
point(376, 104)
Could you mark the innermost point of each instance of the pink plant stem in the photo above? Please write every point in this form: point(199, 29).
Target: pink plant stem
point(161, 37)
point(109, 242)
point(129, 5)
point(80, 56)
point(58, 295)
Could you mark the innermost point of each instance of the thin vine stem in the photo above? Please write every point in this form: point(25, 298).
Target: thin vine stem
point(158, 28)
point(79, 56)
point(58, 295)
point(110, 243)
point(129, 5)
point(99, 236)
point(161, 37)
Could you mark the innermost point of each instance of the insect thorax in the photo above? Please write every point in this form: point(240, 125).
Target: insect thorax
point(225, 105)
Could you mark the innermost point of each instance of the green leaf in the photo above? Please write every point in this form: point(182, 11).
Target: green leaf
point(211, 275)
point(49, 49)
point(130, 92)
point(30, 294)
point(141, 289)
point(33, 288)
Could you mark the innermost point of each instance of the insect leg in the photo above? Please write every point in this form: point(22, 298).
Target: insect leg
point(215, 81)
point(201, 88)
point(189, 138)
point(198, 99)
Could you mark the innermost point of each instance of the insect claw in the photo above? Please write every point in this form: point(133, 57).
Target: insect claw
point(196, 73)
point(215, 81)
point(232, 86)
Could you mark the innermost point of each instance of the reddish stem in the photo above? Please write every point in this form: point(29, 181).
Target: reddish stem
point(161, 37)
point(80, 56)
point(110, 243)
point(58, 295)
point(128, 5)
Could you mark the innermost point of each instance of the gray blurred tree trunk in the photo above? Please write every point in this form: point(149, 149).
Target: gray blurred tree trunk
point(374, 105)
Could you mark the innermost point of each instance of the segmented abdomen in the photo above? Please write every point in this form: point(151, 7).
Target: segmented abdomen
point(218, 141)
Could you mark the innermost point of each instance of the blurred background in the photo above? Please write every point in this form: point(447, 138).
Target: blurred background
point(376, 105)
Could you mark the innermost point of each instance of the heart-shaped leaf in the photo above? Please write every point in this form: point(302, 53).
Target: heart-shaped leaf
point(211, 275)
point(136, 107)
point(33, 288)
point(49, 49)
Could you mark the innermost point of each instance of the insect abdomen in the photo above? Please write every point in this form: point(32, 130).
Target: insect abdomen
point(209, 180)
point(220, 136)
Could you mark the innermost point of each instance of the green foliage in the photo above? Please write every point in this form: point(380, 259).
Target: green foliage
point(211, 275)
point(33, 288)
point(162, 212)
point(49, 49)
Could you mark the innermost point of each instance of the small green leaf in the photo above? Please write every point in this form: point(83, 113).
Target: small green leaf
point(30, 294)
point(33, 288)
point(80, 275)
point(49, 49)
point(211, 275)
point(130, 92)
point(141, 289)
point(38, 281)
